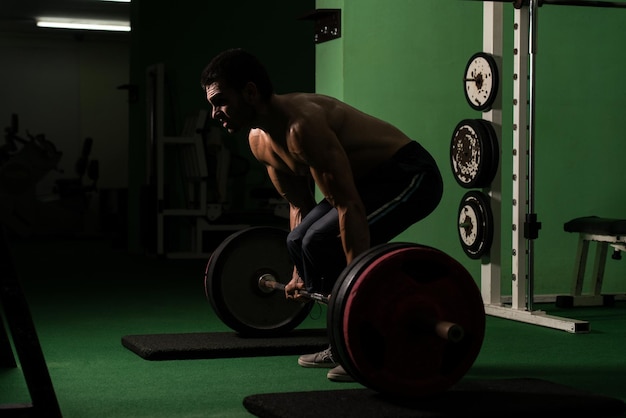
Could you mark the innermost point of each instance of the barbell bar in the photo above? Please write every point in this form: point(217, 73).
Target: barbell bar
point(267, 282)
point(403, 319)
point(444, 329)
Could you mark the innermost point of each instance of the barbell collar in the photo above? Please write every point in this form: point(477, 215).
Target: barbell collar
point(449, 331)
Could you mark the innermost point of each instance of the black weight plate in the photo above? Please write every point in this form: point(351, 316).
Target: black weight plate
point(471, 157)
point(475, 224)
point(232, 283)
point(494, 147)
point(380, 316)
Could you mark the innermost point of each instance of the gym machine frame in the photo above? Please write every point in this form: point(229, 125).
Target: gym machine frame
point(15, 310)
point(192, 146)
point(524, 223)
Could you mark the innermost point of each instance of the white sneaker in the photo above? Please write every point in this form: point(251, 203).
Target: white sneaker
point(339, 374)
point(320, 360)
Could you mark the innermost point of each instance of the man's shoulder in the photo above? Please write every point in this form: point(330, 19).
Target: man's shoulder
point(310, 107)
point(312, 99)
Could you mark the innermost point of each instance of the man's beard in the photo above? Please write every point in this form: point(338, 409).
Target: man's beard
point(248, 114)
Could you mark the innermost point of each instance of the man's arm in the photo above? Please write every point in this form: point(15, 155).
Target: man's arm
point(297, 191)
point(315, 144)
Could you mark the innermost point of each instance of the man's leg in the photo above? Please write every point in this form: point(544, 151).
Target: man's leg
point(423, 195)
point(303, 242)
point(316, 250)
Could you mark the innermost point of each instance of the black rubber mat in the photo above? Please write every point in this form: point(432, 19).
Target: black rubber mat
point(211, 345)
point(469, 398)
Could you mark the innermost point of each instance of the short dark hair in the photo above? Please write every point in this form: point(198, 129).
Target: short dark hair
point(236, 67)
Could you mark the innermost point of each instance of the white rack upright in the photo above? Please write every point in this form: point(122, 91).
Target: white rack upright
point(522, 275)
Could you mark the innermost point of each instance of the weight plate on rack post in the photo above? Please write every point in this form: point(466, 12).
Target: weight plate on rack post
point(474, 153)
point(481, 81)
point(232, 283)
point(475, 224)
point(383, 316)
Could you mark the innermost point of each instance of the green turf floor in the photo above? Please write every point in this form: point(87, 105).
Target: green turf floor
point(84, 296)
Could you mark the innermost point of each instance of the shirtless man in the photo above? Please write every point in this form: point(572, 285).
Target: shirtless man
point(375, 180)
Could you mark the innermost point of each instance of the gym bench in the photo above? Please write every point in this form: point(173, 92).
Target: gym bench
point(605, 232)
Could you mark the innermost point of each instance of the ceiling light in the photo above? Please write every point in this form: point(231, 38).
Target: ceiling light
point(84, 24)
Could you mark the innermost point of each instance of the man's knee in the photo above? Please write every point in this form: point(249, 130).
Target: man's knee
point(294, 242)
point(315, 242)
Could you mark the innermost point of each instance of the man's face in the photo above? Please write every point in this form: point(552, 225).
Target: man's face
point(229, 107)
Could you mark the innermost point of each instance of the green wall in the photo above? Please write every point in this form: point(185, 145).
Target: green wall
point(402, 60)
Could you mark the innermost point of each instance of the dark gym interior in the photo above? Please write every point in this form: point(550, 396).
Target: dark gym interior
point(116, 188)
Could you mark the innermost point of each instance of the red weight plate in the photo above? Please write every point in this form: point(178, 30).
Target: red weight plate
point(389, 315)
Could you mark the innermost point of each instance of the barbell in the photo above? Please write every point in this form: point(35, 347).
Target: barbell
point(444, 329)
point(403, 319)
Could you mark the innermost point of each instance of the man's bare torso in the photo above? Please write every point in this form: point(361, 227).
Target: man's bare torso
point(366, 140)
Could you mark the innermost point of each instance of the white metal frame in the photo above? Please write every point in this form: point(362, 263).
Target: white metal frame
point(594, 297)
point(491, 269)
point(520, 308)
